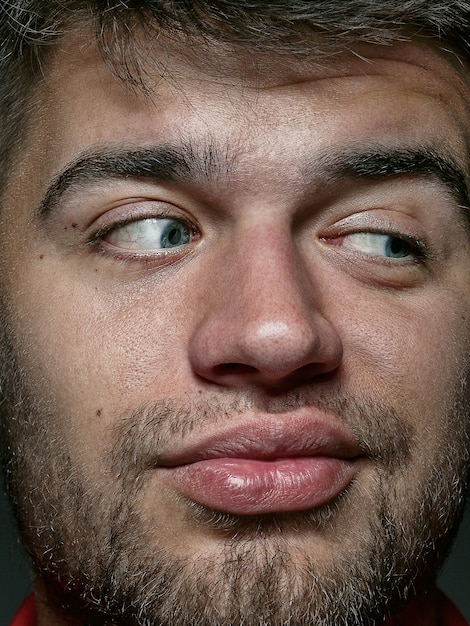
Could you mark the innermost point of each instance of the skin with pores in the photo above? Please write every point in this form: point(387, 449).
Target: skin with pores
point(290, 296)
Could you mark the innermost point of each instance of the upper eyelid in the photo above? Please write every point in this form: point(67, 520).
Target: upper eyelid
point(391, 231)
point(378, 226)
point(126, 221)
point(134, 209)
point(394, 234)
point(379, 220)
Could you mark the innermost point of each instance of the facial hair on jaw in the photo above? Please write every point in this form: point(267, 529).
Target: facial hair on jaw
point(100, 559)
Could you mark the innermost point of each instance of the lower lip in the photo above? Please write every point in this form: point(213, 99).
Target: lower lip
point(250, 487)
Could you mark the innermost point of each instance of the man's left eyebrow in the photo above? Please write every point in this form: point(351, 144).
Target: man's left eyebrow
point(385, 163)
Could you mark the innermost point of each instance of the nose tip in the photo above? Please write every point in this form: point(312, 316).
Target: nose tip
point(278, 348)
point(269, 353)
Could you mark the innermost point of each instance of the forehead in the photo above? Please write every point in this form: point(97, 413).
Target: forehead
point(249, 107)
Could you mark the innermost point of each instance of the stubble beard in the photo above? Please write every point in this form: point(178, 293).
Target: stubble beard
point(102, 561)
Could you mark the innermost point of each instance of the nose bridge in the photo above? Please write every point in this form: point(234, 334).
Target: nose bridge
point(268, 284)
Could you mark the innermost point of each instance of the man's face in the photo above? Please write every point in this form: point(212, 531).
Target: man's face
point(237, 309)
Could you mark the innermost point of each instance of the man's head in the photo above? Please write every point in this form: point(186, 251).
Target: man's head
point(235, 301)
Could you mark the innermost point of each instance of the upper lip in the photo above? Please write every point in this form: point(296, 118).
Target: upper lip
point(261, 437)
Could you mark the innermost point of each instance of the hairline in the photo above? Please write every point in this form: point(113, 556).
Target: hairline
point(132, 75)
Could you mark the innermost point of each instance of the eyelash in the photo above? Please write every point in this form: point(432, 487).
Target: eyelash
point(419, 246)
point(97, 242)
point(419, 253)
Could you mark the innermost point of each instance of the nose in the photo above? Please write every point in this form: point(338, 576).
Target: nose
point(262, 324)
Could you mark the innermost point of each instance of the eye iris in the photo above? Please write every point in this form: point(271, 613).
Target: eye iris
point(175, 234)
point(398, 248)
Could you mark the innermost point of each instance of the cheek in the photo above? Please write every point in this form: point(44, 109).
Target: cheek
point(94, 357)
point(413, 354)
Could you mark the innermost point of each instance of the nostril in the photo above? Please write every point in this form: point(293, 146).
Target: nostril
point(278, 381)
point(231, 373)
point(306, 373)
point(233, 368)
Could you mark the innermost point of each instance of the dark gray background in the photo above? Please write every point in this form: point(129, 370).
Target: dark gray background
point(15, 577)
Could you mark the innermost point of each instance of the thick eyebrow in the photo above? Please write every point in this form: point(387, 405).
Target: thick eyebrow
point(380, 163)
point(159, 164)
point(162, 164)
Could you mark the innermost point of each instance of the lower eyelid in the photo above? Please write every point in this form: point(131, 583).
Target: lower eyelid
point(150, 259)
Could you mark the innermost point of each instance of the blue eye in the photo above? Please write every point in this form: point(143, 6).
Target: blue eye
point(378, 244)
point(397, 248)
point(175, 234)
point(150, 235)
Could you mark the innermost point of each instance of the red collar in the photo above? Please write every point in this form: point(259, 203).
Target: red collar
point(26, 614)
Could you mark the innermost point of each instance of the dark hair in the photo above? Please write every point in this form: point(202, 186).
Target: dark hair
point(29, 29)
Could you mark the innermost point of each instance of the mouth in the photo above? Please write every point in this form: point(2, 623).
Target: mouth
point(265, 465)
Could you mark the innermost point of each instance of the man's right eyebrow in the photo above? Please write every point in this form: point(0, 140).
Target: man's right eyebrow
point(158, 164)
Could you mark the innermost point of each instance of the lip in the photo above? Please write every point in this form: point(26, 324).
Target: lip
point(265, 464)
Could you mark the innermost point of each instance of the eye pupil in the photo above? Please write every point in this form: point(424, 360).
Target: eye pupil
point(175, 234)
point(398, 247)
